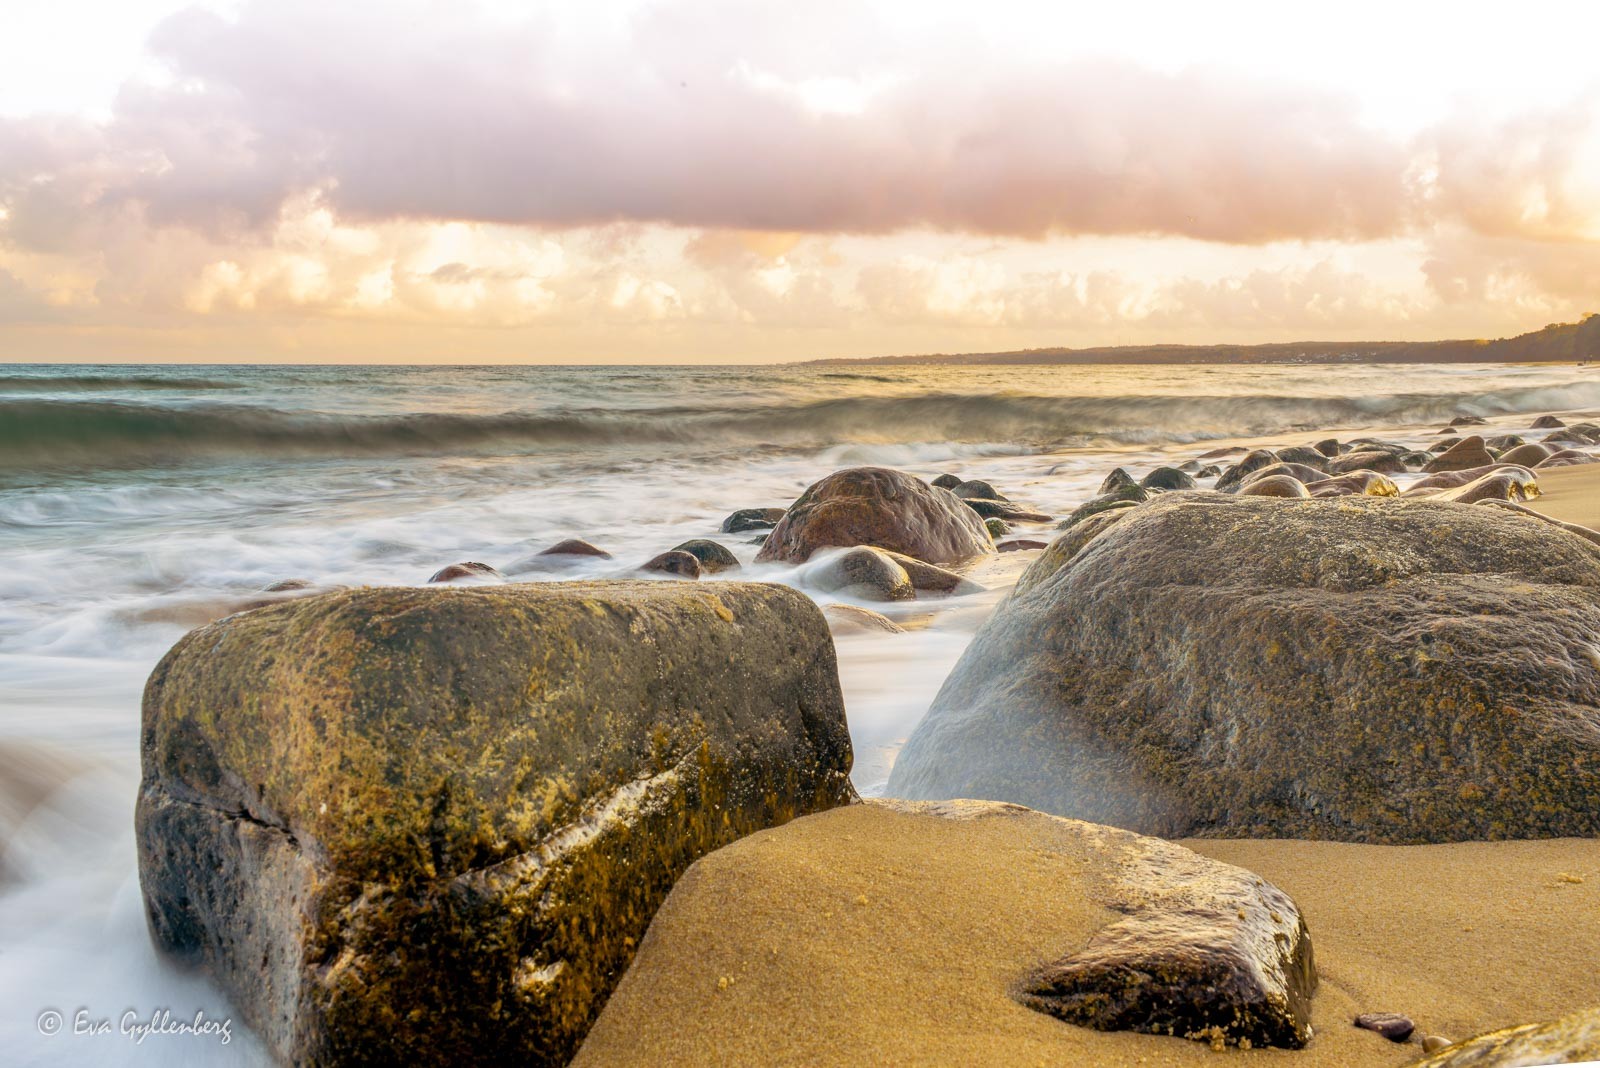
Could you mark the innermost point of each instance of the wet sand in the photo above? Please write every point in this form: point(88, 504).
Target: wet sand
point(867, 936)
point(1570, 494)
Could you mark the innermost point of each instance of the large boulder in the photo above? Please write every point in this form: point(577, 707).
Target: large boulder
point(879, 507)
point(428, 826)
point(1365, 669)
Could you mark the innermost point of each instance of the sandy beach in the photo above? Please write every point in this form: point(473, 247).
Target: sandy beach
point(867, 936)
point(1570, 494)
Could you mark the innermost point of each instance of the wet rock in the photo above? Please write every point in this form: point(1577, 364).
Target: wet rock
point(1189, 467)
point(1328, 447)
point(1298, 472)
point(1118, 498)
point(288, 585)
point(674, 562)
point(1468, 452)
point(1111, 682)
point(1468, 420)
point(1425, 487)
point(1502, 442)
point(1444, 443)
point(1379, 460)
point(751, 519)
point(1275, 486)
point(948, 482)
point(714, 557)
point(1390, 1025)
point(1525, 455)
point(1167, 478)
point(1204, 951)
point(977, 488)
point(1208, 471)
point(1007, 510)
point(930, 578)
point(860, 572)
point(1356, 483)
point(1020, 545)
point(1217, 454)
point(1434, 1043)
point(467, 569)
point(575, 547)
point(877, 506)
point(1117, 479)
point(1547, 422)
point(1305, 457)
point(1572, 435)
point(428, 826)
point(1505, 484)
point(1416, 460)
point(1568, 1040)
point(1251, 463)
point(853, 619)
point(1061, 551)
point(997, 527)
point(1567, 458)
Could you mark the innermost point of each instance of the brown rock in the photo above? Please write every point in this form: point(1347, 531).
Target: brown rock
point(1547, 422)
point(674, 562)
point(1378, 460)
point(575, 547)
point(1356, 483)
point(467, 569)
point(1565, 1041)
point(879, 507)
point(751, 519)
point(1017, 545)
point(1390, 1025)
point(1526, 455)
point(1468, 452)
point(1275, 486)
point(853, 619)
point(864, 572)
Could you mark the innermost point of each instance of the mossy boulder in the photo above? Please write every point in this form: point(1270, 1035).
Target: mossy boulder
point(429, 826)
point(882, 507)
point(1361, 668)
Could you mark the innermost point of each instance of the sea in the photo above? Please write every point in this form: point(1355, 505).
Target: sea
point(139, 501)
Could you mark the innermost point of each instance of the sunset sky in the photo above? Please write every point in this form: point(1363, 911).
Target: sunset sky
point(747, 182)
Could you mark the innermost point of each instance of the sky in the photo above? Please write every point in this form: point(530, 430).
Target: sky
point(742, 181)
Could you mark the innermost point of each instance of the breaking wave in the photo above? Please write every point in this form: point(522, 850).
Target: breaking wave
point(47, 432)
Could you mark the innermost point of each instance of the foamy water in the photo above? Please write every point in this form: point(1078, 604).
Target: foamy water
point(135, 503)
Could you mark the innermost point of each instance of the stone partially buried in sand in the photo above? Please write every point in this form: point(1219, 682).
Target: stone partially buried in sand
point(1468, 452)
point(879, 507)
point(428, 826)
point(1363, 669)
point(1565, 1041)
point(917, 932)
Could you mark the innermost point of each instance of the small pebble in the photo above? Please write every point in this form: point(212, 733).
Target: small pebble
point(1390, 1025)
point(1434, 1043)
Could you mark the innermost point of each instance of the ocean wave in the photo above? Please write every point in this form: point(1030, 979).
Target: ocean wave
point(123, 433)
point(110, 383)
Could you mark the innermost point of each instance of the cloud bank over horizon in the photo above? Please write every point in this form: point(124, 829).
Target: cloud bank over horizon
point(720, 180)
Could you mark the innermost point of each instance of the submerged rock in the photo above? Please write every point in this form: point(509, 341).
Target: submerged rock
point(1007, 510)
point(853, 619)
point(880, 507)
point(751, 519)
point(674, 562)
point(1547, 422)
point(1251, 463)
point(997, 527)
point(575, 547)
point(979, 489)
point(467, 569)
point(428, 826)
point(932, 578)
point(1565, 1041)
point(1117, 479)
point(714, 557)
point(862, 572)
point(947, 481)
point(1363, 669)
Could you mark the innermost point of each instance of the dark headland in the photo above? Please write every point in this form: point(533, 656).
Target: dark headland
point(1556, 343)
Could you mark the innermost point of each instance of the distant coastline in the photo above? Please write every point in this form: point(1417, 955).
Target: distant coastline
point(1556, 343)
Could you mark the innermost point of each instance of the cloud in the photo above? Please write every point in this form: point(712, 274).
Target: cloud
point(433, 112)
